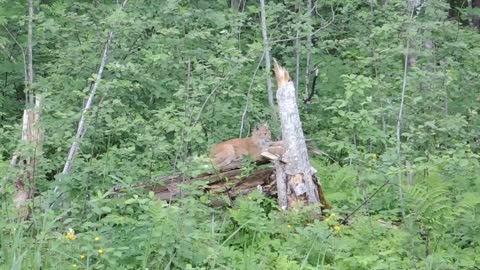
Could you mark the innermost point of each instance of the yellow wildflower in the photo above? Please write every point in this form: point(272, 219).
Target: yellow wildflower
point(71, 234)
point(337, 228)
point(333, 214)
point(74, 265)
point(289, 226)
point(100, 251)
point(97, 238)
point(374, 156)
point(82, 257)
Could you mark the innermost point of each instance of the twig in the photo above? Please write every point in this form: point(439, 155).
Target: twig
point(249, 95)
point(23, 53)
point(315, 32)
point(204, 104)
point(345, 220)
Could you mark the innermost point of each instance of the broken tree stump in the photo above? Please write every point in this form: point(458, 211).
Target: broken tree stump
point(295, 177)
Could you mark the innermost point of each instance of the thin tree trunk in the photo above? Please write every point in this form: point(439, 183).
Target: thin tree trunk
point(309, 51)
point(82, 128)
point(399, 130)
point(296, 171)
point(30, 74)
point(400, 115)
point(297, 48)
point(267, 54)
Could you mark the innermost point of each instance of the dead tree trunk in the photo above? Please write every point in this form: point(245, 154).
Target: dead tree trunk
point(25, 158)
point(294, 175)
point(82, 128)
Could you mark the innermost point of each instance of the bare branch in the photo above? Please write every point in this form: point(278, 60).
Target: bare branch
point(305, 36)
point(23, 54)
point(244, 114)
point(81, 130)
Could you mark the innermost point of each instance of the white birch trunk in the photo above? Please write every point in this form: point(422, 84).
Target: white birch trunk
point(82, 127)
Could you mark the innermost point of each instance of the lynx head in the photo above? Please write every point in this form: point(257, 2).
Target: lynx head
point(262, 133)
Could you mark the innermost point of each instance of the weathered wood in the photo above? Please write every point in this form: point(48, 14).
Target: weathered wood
point(298, 174)
point(25, 158)
point(230, 183)
point(281, 186)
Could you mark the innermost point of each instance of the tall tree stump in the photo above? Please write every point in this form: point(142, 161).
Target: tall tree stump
point(295, 177)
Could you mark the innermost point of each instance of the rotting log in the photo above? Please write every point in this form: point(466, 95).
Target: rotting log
point(229, 183)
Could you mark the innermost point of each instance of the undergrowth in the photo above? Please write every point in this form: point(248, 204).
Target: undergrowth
point(440, 229)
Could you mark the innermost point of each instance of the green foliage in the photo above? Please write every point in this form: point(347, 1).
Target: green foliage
point(180, 75)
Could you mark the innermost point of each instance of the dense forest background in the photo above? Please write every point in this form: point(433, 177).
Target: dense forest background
point(392, 123)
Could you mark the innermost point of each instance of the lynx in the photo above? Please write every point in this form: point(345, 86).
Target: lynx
point(232, 151)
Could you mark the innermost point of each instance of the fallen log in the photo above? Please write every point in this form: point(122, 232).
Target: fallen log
point(230, 183)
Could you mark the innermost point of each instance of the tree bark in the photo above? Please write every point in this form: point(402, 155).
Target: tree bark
point(295, 174)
